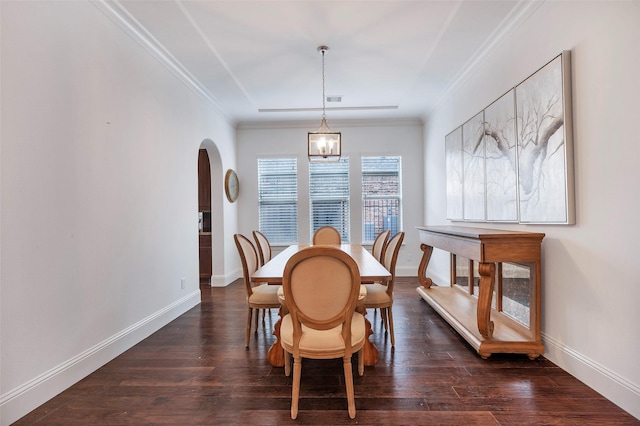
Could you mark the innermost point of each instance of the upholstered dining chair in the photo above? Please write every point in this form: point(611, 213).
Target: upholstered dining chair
point(264, 255)
point(379, 244)
point(380, 295)
point(321, 286)
point(262, 296)
point(326, 235)
point(264, 247)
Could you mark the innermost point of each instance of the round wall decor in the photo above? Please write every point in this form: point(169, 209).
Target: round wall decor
point(231, 186)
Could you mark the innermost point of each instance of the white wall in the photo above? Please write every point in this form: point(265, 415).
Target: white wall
point(99, 149)
point(402, 138)
point(590, 315)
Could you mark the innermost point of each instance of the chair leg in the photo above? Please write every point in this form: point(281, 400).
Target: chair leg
point(390, 320)
point(361, 361)
point(295, 393)
point(246, 341)
point(348, 379)
point(385, 320)
point(256, 320)
point(287, 363)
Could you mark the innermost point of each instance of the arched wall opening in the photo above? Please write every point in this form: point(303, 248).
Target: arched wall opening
point(216, 211)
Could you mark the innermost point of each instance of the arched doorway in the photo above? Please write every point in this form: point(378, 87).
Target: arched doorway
point(210, 207)
point(205, 250)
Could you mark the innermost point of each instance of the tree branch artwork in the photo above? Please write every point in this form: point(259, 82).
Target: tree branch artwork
point(474, 188)
point(512, 161)
point(541, 146)
point(501, 160)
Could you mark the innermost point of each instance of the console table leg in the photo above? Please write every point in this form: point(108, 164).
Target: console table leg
point(487, 278)
point(422, 267)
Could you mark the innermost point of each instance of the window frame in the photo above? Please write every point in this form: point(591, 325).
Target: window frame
point(340, 216)
point(273, 230)
point(385, 222)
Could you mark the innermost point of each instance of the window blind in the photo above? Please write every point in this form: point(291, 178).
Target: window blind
point(278, 199)
point(329, 196)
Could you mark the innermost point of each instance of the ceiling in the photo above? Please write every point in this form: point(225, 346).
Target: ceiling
point(258, 60)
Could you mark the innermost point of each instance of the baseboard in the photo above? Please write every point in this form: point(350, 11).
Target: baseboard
point(412, 271)
point(406, 271)
point(25, 398)
point(612, 386)
point(225, 280)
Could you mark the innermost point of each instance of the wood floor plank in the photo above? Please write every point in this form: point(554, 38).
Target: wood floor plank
point(196, 371)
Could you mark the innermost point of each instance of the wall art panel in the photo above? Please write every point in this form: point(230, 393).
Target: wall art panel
point(474, 171)
point(544, 144)
point(453, 155)
point(501, 160)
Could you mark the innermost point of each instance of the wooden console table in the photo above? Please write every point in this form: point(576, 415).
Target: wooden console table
point(487, 329)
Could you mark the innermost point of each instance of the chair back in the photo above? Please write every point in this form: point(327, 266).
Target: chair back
point(321, 286)
point(326, 235)
point(390, 257)
point(377, 250)
point(264, 247)
point(249, 258)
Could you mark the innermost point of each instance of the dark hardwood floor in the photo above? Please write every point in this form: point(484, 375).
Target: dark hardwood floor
point(196, 371)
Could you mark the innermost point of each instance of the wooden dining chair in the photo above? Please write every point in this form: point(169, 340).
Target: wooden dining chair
point(264, 247)
point(380, 295)
point(261, 296)
point(379, 244)
point(326, 235)
point(321, 286)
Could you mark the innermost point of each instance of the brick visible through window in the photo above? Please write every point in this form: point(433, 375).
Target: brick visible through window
point(381, 196)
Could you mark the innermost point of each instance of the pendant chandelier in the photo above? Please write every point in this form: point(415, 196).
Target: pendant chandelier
point(324, 144)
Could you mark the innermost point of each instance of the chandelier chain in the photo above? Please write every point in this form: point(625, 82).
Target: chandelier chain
point(323, 144)
point(323, 95)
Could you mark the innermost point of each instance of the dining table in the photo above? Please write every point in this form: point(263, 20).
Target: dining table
point(371, 270)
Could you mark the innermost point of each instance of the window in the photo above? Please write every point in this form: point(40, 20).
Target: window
point(329, 196)
point(278, 199)
point(381, 196)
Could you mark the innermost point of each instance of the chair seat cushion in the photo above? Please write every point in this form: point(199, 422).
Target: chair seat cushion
point(264, 294)
point(377, 295)
point(320, 341)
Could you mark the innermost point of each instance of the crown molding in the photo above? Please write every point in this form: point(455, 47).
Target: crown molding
point(117, 13)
